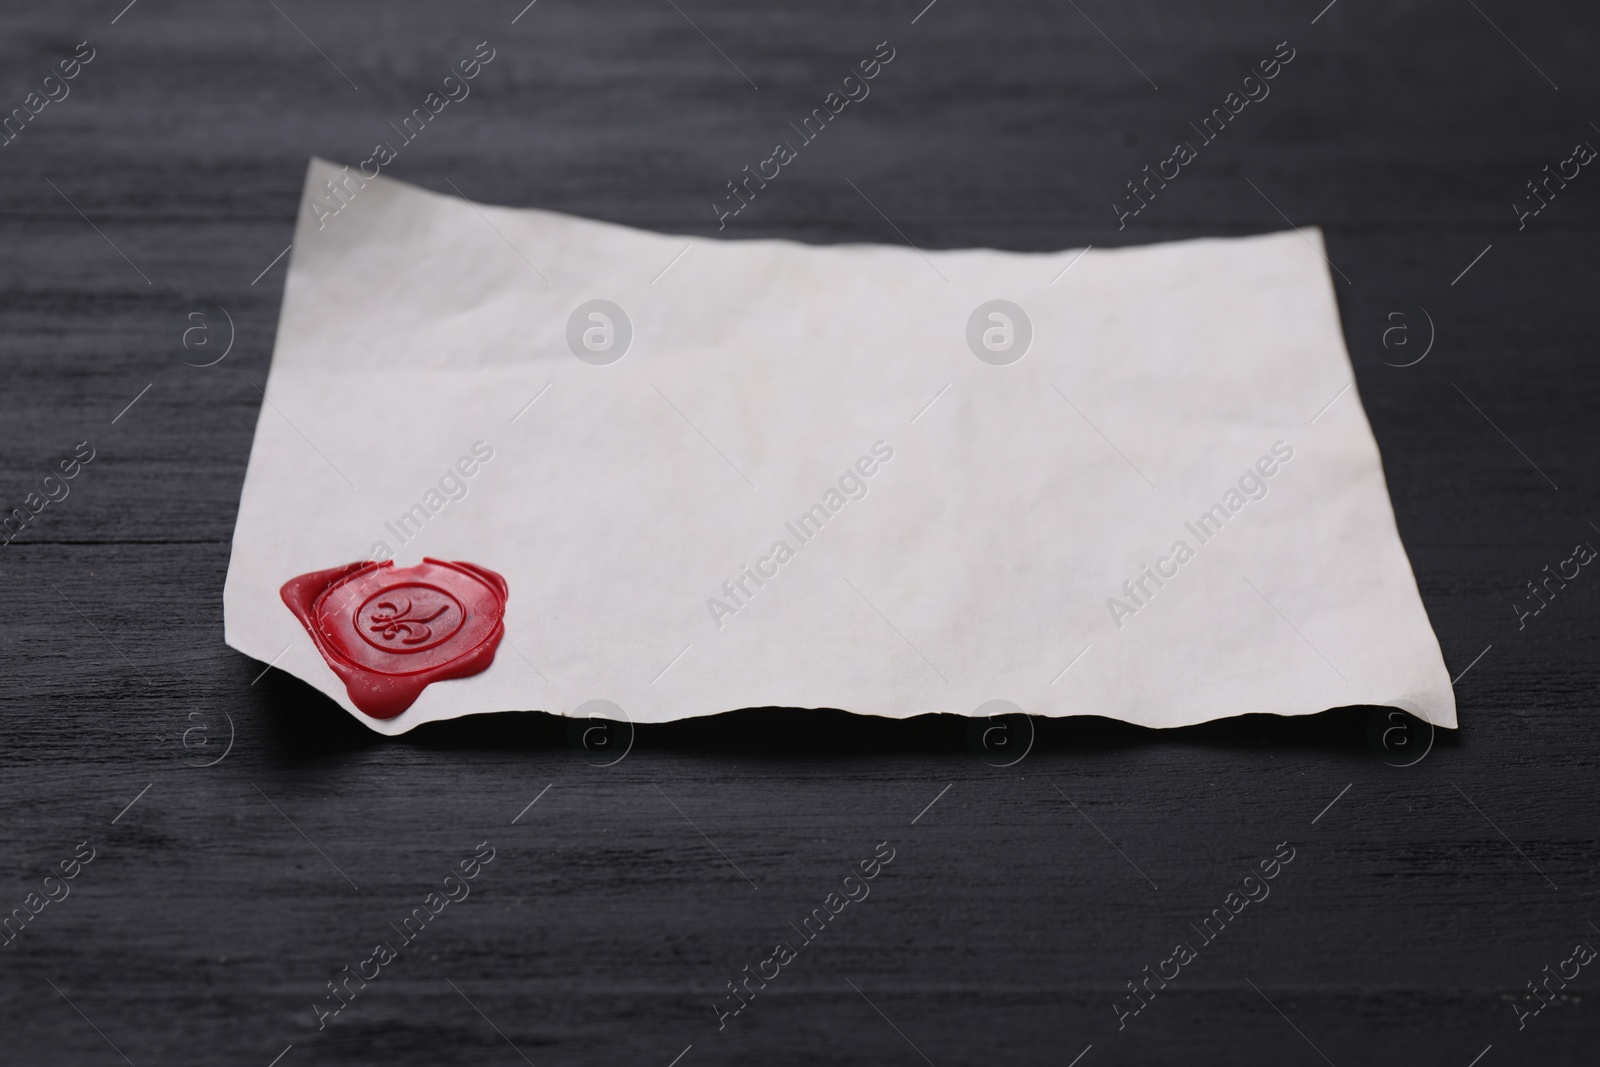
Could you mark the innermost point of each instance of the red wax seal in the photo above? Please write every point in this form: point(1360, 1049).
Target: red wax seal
point(390, 633)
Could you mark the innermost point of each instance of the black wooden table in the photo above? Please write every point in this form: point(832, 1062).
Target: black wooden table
point(250, 842)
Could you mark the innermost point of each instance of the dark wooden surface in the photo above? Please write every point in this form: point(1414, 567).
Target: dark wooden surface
point(1415, 910)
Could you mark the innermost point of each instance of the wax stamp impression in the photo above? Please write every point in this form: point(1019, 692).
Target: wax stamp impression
point(389, 632)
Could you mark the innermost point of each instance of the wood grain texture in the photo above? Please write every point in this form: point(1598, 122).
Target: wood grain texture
point(1019, 905)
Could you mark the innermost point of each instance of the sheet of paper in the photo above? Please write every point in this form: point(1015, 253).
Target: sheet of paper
point(1136, 483)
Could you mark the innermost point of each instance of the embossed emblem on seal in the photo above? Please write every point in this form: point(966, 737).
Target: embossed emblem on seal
point(389, 633)
point(409, 618)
